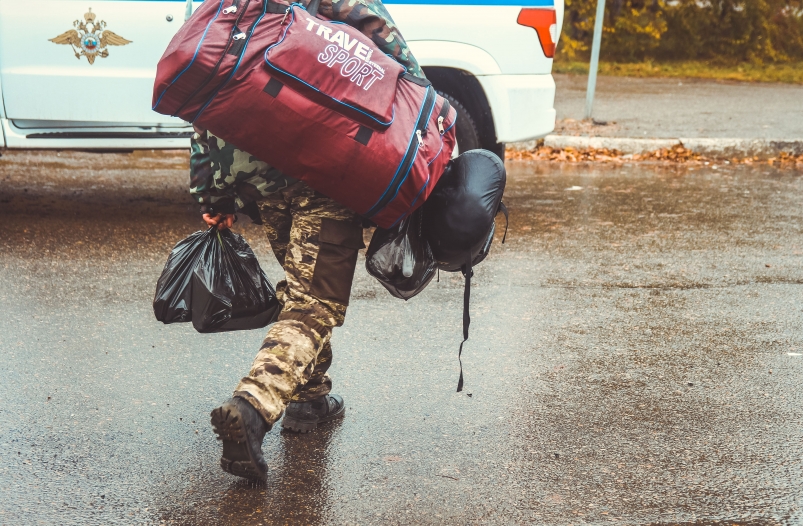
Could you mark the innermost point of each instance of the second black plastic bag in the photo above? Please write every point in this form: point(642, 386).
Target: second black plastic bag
point(214, 279)
point(400, 258)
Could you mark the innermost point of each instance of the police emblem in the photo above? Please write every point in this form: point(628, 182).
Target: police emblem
point(90, 38)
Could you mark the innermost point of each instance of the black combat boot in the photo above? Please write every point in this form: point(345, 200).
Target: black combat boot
point(241, 429)
point(303, 417)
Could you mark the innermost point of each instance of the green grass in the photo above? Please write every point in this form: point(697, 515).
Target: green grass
point(791, 73)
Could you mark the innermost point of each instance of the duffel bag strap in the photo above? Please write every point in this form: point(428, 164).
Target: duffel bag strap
point(312, 7)
point(275, 8)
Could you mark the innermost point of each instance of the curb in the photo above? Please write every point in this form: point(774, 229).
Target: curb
point(711, 147)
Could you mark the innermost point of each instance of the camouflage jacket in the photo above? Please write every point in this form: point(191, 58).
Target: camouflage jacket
point(224, 179)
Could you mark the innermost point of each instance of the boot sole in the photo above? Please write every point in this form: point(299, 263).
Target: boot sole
point(229, 427)
point(305, 426)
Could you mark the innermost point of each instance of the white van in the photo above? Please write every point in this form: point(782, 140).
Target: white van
point(79, 74)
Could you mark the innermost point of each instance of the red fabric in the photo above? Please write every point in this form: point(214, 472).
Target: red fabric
point(209, 64)
point(306, 134)
point(357, 76)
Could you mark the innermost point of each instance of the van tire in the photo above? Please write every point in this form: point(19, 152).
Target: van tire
point(468, 135)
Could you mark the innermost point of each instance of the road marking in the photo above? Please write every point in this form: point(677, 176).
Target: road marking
point(793, 353)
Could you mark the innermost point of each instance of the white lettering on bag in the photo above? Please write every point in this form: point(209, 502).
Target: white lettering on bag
point(337, 38)
point(339, 58)
point(323, 29)
point(363, 52)
point(358, 67)
point(351, 66)
point(349, 43)
point(327, 54)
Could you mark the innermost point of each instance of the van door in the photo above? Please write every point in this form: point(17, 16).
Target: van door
point(88, 61)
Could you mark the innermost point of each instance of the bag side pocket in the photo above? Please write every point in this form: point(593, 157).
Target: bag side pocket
point(337, 259)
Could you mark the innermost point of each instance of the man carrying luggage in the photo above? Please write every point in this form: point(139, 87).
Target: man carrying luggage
point(316, 241)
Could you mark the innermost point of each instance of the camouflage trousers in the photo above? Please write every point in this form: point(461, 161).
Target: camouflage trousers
point(316, 240)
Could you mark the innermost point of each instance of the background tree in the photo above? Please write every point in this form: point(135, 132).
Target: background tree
point(756, 31)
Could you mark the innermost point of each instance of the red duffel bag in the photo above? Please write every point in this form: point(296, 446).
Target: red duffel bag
point(314, 98)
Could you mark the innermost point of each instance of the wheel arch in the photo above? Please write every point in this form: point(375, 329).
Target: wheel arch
point(465, 87)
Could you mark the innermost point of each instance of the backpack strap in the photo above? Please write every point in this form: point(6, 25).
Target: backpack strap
point(467, 272)
point(503, 209)
point(275, 8)
point(312, 7)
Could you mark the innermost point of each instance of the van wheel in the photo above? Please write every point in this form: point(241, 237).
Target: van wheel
point(468, 136)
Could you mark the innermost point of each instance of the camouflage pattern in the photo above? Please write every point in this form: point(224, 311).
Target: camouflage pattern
point(225, 178)
point(295, 355)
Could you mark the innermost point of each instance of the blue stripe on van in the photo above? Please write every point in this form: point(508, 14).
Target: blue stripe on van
point(519, 3)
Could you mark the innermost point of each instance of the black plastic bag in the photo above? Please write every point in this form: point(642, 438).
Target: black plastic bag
point(214, 279)
point(171, 304)
point(400, 258)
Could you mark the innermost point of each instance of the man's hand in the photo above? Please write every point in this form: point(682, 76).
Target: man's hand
point(221, 221)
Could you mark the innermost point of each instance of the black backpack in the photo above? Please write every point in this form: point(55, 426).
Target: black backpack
point(459, 219)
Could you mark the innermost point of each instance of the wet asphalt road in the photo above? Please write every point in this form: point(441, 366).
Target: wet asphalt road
point(635, 357)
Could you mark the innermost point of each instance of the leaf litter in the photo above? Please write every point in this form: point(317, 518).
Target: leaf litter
point(675, 154)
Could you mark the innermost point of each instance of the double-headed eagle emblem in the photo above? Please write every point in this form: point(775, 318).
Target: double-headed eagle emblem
point(90, 38)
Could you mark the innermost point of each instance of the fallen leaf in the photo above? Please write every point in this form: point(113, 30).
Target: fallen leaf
point(675, 154)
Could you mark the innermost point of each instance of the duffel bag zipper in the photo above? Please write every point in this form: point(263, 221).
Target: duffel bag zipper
point(445, 109)
point(235, 35)
point(248, 34)
point(443, 114)
point(409, 157)
point(197, 49)
point(441, 130)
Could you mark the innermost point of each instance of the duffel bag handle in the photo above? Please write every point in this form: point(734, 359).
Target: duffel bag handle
point(312, 7)
point(277, 8)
